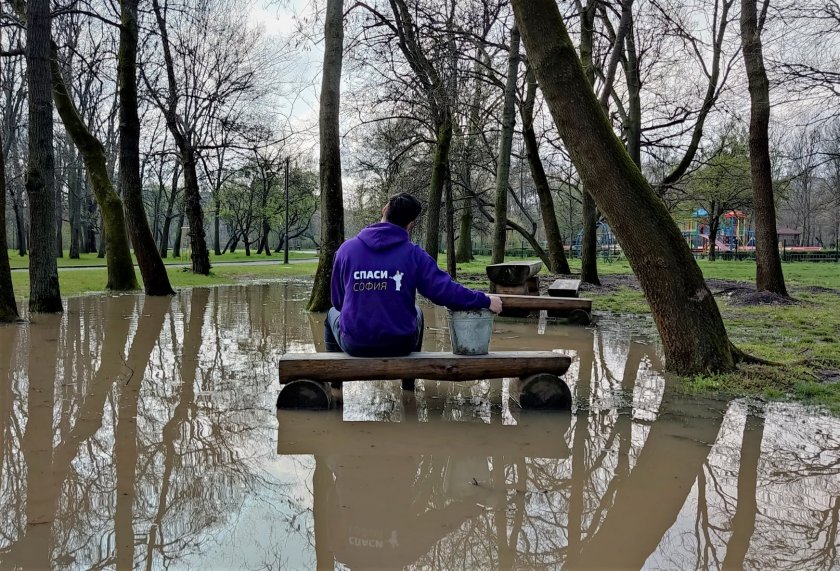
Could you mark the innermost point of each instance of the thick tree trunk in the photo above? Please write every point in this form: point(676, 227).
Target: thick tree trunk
point(505, 144)
point(633, 127)
point(20, 228)
point(332, 201)
point(768, 271)
point(8, 306)
point(464, 247)
point(687, 317)
point(59, 216)
point(167, 220)
point(121, 275)
point(44, 292)
point(440, 167)
point(155, 278)
point(556, 252)
point(589, 211)
point(199, 254)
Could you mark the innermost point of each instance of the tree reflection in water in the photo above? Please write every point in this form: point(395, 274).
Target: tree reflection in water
point(140, 432)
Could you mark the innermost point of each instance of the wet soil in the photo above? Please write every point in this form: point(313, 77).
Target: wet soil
point(141, 432)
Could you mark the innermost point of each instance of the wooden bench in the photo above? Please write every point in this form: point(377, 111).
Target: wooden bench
point(514, 278)
point(306, 378)
point(575, 309)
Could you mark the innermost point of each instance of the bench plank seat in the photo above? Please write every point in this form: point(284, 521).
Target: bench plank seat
point(535, 302)
point(564, 288)
point(333, 367)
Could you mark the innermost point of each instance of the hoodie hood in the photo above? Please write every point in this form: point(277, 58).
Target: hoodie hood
point(382, 236)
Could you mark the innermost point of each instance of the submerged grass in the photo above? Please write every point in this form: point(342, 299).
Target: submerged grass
point(804, 337)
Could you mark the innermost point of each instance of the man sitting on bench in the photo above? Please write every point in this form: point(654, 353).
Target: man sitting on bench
point(374, 282)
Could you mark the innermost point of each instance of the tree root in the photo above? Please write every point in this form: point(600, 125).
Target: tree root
point(740, 356)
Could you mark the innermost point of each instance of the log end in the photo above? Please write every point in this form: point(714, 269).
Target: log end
point(305, 395)
point(544, 391)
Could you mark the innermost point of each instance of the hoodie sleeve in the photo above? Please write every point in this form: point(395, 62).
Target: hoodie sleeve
point(436, 285)
point(337, 281)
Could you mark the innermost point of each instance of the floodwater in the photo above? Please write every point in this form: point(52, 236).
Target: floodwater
point(141, 433)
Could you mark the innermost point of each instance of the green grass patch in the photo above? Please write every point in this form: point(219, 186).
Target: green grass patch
point(22, 262)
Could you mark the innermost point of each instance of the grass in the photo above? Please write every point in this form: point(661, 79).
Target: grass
point(22, 262)
point(74, 282)
point(804, 338)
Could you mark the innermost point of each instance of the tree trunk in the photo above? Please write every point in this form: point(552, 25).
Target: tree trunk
point(199, 254)
point(505, 143)
point(217, 249)
point(74, 206)
point(633, 128)
point(332, 201)
point(768, 270)
point(20, 228)
point(59, 214)
point(167, 220)
point(121, 275)
point(44, 292)
point(176, 243)
point(451, 267)
point(155, 278)
point(464, 248)
point(556, 252)
point(714, 225)
point(687, 317)
point(589, 211)
point(8, 306)
point(440, 167)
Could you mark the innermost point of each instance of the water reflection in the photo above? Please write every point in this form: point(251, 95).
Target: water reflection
point(141, 433)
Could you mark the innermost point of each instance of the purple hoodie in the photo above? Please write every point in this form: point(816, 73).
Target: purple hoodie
point(375, 278)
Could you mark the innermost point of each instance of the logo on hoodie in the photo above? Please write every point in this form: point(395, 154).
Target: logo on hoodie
point(376, 280)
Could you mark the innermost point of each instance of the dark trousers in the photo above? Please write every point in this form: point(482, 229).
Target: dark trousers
point(335, 343)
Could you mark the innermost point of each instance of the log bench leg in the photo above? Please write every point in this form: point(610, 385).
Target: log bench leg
point(542, 391)
point(306, 394)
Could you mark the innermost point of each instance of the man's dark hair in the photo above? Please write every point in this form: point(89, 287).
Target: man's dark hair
point(403, 209)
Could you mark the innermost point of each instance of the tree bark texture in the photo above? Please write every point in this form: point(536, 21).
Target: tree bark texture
point(451, 266)
point(768, 271)
point(155, 278)
point(440, 167)
point(464, 247)
point(74, 206)
point(685, 312)
point(332, 199)
point(505, 144)
point(556, 252)
point(8, 306)
point(589, 211)
point(44, 292)
point(121, 275)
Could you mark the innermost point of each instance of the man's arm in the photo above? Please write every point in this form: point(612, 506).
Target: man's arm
point(441, 289)
point(337, 282)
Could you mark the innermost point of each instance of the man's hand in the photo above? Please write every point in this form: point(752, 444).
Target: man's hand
point(495, 303)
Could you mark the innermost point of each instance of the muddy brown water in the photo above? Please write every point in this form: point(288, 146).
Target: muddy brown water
point(141, 433)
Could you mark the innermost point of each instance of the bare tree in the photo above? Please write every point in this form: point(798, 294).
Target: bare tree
point(332, 199)
point(768, 272)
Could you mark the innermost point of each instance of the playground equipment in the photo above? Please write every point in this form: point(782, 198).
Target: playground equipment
point(734, 232)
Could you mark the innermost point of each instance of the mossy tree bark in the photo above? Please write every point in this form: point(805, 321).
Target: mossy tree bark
point(505, 144)
point(685, 312)
point(768, 270)
point(589, 211)
point(332, 198)
point(440, 167)
point(556, 252)
point(121, 275)
point(8, 306)
point(44, 292)
point(155, 278)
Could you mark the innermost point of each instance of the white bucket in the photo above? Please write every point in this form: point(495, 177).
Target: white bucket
point(470, 331)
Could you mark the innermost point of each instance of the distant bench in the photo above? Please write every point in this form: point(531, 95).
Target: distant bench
point(306, 377)
point(518, 285)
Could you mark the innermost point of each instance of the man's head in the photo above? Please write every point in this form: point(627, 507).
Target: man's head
point(402, 209)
